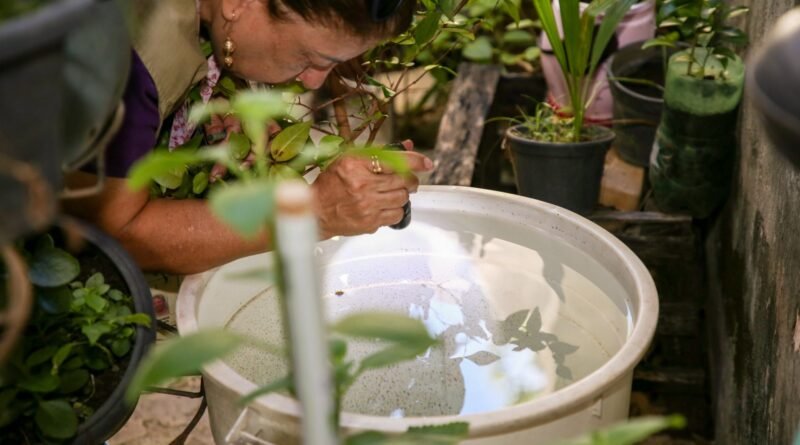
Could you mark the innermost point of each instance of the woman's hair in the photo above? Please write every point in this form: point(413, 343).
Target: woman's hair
point(351, 15)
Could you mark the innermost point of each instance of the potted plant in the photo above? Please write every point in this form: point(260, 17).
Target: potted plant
point(638, 24)
point(32, 36)
point(693, 155)
point(558, 159)
point(90, 327)
point(636, 79)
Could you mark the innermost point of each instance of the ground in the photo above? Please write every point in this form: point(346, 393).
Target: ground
point(160, 418)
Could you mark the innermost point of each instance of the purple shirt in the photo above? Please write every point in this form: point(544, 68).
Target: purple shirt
point(137, 135)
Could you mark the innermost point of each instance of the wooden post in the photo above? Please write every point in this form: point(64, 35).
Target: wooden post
point(462, 125)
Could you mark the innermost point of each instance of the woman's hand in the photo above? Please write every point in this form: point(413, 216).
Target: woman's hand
point(351, 199)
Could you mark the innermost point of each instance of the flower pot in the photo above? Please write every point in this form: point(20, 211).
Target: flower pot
point(32, 90)
point(115, 411)
point(469, 259)
point(774, 86)
point(565, 174)
point(515, 92)
point(637, 107)
point(692, 159)
point(98, 252)
point(638, 24)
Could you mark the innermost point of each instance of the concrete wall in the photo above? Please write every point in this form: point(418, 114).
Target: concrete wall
point(753, 256)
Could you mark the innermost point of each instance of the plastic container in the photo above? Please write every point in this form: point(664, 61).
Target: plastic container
point(510, 252)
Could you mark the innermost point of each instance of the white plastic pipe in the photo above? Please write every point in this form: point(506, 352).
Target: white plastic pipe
point(296, 238)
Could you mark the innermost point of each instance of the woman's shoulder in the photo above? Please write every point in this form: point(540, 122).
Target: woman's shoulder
point(166, 41)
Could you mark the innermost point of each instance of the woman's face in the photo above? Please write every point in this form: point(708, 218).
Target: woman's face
point(278, 51)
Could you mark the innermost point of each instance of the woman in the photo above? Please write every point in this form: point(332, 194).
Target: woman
point(269, 41)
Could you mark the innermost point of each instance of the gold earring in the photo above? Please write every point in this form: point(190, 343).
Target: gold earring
point(228, 49)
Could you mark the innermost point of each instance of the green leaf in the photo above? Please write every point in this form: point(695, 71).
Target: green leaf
point(479, 50)
point(96, 302)
point(608, 27)
point(54, 300)
point(200, 182)
point(62, 354)
point(288, 143)
point(39, 383)
point(518, 37)
point(259, 106)
point(73, 363)
point(120, 347)
point(163, 166)
point(40, 356)
point(426, 28)
point(52, 267)
point(239, 146)
point(95, 330)
point(532, 53)
point(284, 383)
point(395, 160)
point(181, 356)
point(629, 432)
point(202, 112)
point(246, 207)
point(139, 318)
point(95, 281)
point(9, 410)
point(385, 326)
point(393, 354)
point(460, 429)
point(73, 380)
point(116, 295)
point(56, 419)
point(283, 172)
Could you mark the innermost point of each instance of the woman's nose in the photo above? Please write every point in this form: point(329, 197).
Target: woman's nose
point(313, 78)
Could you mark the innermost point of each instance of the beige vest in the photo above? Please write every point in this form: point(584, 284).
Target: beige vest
point(165, 36)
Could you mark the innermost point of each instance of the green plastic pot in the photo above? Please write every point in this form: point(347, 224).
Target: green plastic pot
point(695, 146)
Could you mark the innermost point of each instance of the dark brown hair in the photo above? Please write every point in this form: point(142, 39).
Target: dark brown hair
point(350, 15)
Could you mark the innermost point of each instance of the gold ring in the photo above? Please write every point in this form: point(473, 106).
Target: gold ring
point(376, 165)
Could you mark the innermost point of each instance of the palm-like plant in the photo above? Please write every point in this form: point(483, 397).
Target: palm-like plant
point(580, 51)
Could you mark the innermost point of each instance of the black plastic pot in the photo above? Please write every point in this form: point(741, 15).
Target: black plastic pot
point(514, 91)
point(32, 92)
point(565, 174)
point(114, 412)
point(637, 108)
point(774, 84)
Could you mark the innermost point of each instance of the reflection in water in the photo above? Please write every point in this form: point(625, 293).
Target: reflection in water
point(515, 323)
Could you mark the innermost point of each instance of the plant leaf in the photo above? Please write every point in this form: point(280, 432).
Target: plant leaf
point(395, 160)
point(277, 385)
point(138, 318)
point(629, 432)
point(393, 354)
point(384, 326)
point(120, 347)
point(56, 419)
point(162, 165)
point(52, 268)
point(54, 300)
point(427, 27)
point(203, 111)
point(62, 354)
point(96, 302)
point(608, 27)
point(73, 380)
point(288, 143)
point(479, 50)
point(239, 146)
point(246, 207)
point(199, 182)
point(518, 37)
point(40, 383)
point(40, 356)
point(95, 330)
point(181, 356)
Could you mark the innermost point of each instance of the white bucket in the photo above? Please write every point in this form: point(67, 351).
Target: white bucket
point(515, 254)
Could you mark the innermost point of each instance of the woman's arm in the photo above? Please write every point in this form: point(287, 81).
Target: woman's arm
point(165, 235)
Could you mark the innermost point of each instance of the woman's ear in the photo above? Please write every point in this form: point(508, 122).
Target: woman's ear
point(232, 9)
